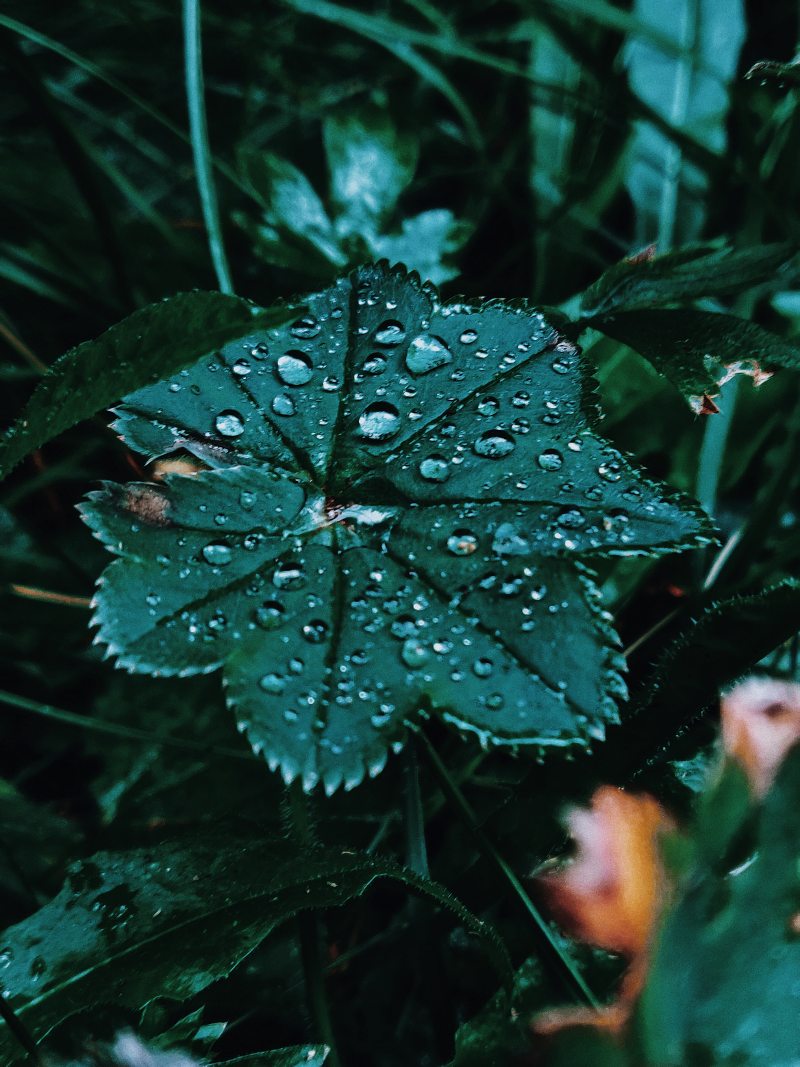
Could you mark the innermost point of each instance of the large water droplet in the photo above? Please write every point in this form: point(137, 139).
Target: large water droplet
point(374, 364)
point(283, 405)
point(489, 405)
point(414, 653)
point(550, 460)
point(427, 353)
point(390, 333)
point(241, 368)
point(468, 337)
point(571, 518)
point(289, 575)
point(435, 469)
point(218, 553)
point(229, 423)
point(379, 421)
point(494, 444)
point(610, 471)
point(295, 368)
point(462, 542)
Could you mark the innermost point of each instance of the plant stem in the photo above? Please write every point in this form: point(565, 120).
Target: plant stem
point(416, 849)
point(310, 934)
point(20, 1031)
point(553, 955)
point(198, 128)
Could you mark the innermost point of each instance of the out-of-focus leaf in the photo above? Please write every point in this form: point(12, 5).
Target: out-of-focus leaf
point(686, 275)
point(168, 920)
point(698, 351)
point(298, 1056)
point(291, 207)
point(426, 243)
point(370, 163)
point(723, 981)
point(154, 341)
point(400, 492)
point(689, 90)
point(716, 648)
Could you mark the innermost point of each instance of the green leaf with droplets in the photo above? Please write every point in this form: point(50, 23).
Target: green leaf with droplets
point(156, 340)
point(168, 920)
point(400, 500)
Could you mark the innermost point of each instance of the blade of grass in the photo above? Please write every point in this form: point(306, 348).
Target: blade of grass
point(552, 954)
point(131, 733)
point(198, 128)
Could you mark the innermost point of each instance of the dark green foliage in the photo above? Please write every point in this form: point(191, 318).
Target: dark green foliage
point(628, 168)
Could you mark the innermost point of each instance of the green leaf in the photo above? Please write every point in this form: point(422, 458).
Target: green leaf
point(167, 921)
point(154, 341)
point(716, 647)
point(724, 978)
point(426, 243)
point(698, 351)
point(399, 494)
point(297, 1056)
point(686, 87)
point(292, 210)
point(370, 164)
point(686, 275)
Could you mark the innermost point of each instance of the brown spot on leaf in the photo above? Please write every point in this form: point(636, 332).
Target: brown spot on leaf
point(760, 724)
point(644, 256)
point(148, 504)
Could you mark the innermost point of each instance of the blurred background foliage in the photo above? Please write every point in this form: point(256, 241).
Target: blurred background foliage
point(500, 148)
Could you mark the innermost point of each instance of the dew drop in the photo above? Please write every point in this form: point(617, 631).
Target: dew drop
point(550, 460)
point(495, 701)
point(241, 368)
point(435, 469)
point(289, 575)
point(414, 653)
point(229, 423)
point(427, 353)
point(374, 364)
point(305, 328)
point(314, 632)
point(571, 518)
point(379, 421)
point(469, 337)
point(483, 667)
point(283, 405)
point(489, 405)
point(295, 368)
point(390, 333)
point(270, 615)
point(610, 471)
point(462, 542)
point(330, 383)
point(217, 553)
point(494, 444)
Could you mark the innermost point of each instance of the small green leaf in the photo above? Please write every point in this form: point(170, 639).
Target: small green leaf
point(426, 242)
point(168, 920)
point(292, 210)
point(297, 1056)
point(156, 340)
point(400, 494)
point(645, 281)
point(698, 351)
point(370, 164)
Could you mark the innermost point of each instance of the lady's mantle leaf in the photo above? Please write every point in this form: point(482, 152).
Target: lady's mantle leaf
point(398, 493)
point(167, 921)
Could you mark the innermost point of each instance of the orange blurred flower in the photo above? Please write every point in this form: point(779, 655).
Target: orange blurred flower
point(760, 723)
